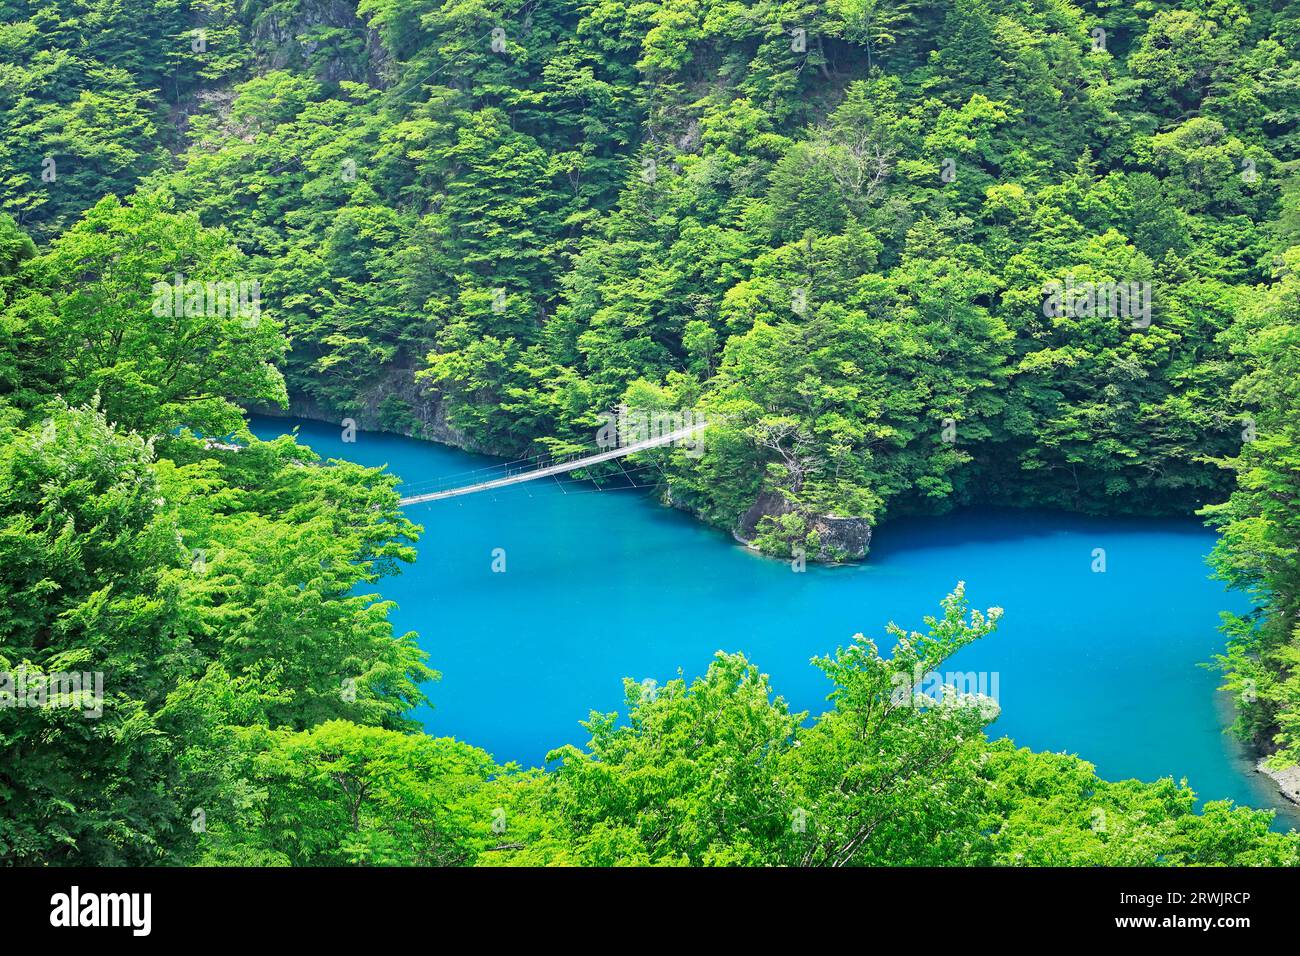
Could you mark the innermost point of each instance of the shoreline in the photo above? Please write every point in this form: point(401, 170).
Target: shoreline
point(1287, 780)
point(1278, 790)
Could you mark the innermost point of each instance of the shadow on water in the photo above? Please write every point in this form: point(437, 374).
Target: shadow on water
point(991, 525)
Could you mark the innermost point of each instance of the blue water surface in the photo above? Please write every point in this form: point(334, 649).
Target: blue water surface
point(602, 585)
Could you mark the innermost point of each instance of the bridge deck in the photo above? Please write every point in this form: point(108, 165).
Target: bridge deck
point(558, 469)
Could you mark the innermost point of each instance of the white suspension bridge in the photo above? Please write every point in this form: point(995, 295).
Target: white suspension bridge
point(531, 469)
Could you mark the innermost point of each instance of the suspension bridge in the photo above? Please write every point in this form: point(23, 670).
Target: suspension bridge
point(531, 469)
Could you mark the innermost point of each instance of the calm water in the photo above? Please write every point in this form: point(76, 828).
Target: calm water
point(603, 585)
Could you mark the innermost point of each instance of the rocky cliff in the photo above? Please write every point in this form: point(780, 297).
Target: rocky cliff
point(839, 538)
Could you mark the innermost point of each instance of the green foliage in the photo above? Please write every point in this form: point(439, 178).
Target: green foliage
point(529, 223)
point(1259, 548)
point(89, 586)
point(343, 794)
point(209, 591)
point(835, 243)
point(102, 310)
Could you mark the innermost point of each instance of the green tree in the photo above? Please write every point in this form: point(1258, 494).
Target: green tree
point(102, 307)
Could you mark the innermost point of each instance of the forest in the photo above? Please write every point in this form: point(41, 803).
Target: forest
point(907, 256)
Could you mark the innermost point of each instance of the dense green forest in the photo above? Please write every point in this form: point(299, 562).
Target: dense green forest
point(837, 229)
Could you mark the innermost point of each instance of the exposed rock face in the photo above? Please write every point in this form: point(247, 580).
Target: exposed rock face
point(424, 413)
point(1287, 780)
point(849, 536)
point(846, 537)
point(284, 40)
point(767, 504)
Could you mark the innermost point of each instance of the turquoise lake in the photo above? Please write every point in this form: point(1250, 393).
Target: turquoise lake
point(602, 585)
